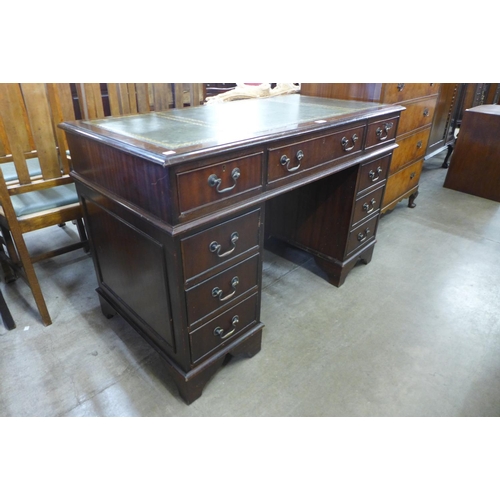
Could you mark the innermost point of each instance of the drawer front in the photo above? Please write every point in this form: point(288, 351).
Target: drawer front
point(217, 246)
point(224, 328)
point(381, 131)
point(372, 173)
point(398, 92)
point(402, 182)
point(410, 149)
point(219, 181)
point(367, 205)
point(361, 235)
point(417, 114)
point(222, 289)
point(295, 158)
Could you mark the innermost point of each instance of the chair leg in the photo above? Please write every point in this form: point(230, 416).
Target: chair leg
point(9, 272)
point(31, 277)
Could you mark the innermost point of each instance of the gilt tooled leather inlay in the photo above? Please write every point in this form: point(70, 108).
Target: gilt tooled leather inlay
point(227, 122)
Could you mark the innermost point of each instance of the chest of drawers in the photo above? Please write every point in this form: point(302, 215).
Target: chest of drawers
point(175, 204)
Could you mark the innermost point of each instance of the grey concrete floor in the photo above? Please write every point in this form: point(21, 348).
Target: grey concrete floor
point(414, 333)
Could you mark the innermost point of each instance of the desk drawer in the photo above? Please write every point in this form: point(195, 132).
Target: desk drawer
point(217, 246)
point(372, 173)
point(222, 289)
point(368, 204)
point(381, 131)
point(410, 149)
point(219, 181)
point(224, 328)
point(297, 157)
point(364, 233)
point(417, 114)
point(399, 92)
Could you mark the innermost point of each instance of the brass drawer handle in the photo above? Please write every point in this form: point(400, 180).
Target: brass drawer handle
point(218, 331)
point(413, 174)
point(419, 144)
point(370, 207)
point(285, 161)
point(380, 131)
point(214, 181)
point(363, 236)
point(217, 292)
point(345, 142)
point(372, 174)
point(216, 247)
point(426, 112)
point(401, 86)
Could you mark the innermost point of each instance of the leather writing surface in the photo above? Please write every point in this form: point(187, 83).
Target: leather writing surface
point(225, 123)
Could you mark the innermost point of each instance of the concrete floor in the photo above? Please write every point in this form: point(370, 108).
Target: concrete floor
point(414, 333)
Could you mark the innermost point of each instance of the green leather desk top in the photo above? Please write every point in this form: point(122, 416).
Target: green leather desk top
point(229, 122)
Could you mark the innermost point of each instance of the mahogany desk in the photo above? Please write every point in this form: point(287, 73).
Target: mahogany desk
point(175, 204)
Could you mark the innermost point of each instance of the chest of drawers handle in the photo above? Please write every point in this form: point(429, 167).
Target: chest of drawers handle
point(216, 247)
point(285, 161)
point(401, 86)
point(372, 174)
point(214, 181)
point(217, 292)
point(219, 332)
point(426, 112)
point(345, 142)
point(380, 131)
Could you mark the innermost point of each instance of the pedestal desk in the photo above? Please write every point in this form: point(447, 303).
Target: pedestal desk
point(175, 203)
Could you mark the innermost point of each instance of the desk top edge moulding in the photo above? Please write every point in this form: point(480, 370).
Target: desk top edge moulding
point(179, 204)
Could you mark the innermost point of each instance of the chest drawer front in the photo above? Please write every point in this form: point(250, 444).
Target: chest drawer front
point(222, 289)
point(217, 246)
point(417, 114)
point(399, 92)
point(410, 149)
point(367, 205)
point(220, 181)
point(381, 131)
point(361, 235)
point(295, 158)
point(224, 328)
point(372, 173)
point(402, 181)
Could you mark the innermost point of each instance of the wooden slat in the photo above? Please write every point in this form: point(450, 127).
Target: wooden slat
point(37, 107)
point(61, 104)
point(142, 90)
point(162, 95)
point(90, 99)
point(131, 94)
point(114, 100)
point(4, 143)
point(178, 95)
point(13, 113)
point(195, 94)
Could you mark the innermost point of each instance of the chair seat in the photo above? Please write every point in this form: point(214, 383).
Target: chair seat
point(10, 174)
point(44, 199)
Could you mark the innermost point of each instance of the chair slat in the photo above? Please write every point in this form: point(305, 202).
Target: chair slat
point(178, 95)
point(162, 96)
point(142, 90)
point(13, 117)
point(130, 90)
point(61, 104)
point(90, 99)
point(4, 143)
point(37, 107)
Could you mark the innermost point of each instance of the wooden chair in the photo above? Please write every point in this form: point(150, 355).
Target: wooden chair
point(117, 99)
point(36, 190)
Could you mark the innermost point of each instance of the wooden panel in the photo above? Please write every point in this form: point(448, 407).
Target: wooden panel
point(355, 91)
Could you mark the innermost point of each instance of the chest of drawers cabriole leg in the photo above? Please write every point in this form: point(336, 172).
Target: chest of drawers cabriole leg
point(175, 205)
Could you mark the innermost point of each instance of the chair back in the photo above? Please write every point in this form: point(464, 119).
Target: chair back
point(118, 99)
point(29, 114)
